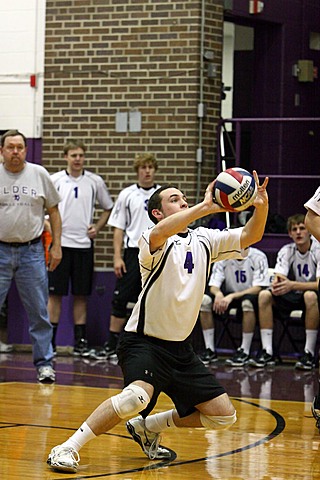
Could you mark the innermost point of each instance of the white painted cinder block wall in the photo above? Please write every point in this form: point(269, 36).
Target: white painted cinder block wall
point(22, 35)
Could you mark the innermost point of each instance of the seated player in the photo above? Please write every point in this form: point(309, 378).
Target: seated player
point(294, 287)
point(234, 284)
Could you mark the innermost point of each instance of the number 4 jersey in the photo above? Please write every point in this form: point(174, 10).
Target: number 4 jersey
point(174, 279)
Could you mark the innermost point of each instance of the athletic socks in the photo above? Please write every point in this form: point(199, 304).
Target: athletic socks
point(266, 340)
point(208, 336)
point(82, 436)
point(246, 342)
point(311, 340)
point(80, 331)
point(113, 339)
point(54, 334)
point(160, 421)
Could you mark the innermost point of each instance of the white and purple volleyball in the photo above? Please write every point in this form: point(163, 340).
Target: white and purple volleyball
point(235, 189)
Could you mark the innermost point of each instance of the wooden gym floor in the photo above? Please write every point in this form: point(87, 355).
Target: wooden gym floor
point(275, 437)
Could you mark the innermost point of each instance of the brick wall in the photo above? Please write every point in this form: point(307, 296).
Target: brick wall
point(104, 57)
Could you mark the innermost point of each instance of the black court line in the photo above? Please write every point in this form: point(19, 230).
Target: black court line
point(280, 426)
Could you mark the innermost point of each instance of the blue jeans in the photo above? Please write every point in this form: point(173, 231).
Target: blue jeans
point(26, 265)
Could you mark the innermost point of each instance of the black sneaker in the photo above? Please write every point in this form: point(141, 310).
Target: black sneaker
point(81, 349)
point(306, 362)
point(98, 353)
point(263, 360)
point(208, 356)
point(110, 350)
point(104, 353)
point(239, 359)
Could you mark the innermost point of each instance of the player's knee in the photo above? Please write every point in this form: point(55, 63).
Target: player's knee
point(218, 422)
point(247, 306)
point(119, 309)
point(206, 305)
point(265, 298)
point(310, 298)
point(130, 401)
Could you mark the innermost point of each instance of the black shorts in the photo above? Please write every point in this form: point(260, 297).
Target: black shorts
point(171, 367)
point(129, 286)
point(76, 265)
point(284, 304)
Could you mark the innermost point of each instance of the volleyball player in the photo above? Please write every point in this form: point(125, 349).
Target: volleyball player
point(234, 284)
point(312, 221)
point(294, 287)
point(154, 351)
point(129, 219)
point(80, 190)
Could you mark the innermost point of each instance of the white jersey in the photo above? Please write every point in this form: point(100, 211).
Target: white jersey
point(314, 202)
point(302, 267)
point(24, 196)
point(238, 275)
point(130, 213)
point(79, 197)
point(174, 279)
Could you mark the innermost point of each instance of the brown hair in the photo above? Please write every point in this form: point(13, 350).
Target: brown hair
point(141, 159)
point(295, 220)
point(73, 145)
point(155, 200)
point(12, 133)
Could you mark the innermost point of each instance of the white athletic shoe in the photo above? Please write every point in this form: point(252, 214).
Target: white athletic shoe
point(65, 459)
point(46, 374)
point(148, 441)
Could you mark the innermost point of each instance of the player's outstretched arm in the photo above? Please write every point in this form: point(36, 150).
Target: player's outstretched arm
point(178, 222)
point(254, 229)
point(312, 222)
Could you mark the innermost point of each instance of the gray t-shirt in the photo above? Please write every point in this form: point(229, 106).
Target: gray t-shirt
point(24, 196)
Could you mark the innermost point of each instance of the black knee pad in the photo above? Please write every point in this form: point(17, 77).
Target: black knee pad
point(119, 308)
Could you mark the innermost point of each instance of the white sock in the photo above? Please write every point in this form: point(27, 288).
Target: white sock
point(311, 340)
point(160, 421)
point(266, 340)
point(83, 435)
point(208, 336)
point(246, 342)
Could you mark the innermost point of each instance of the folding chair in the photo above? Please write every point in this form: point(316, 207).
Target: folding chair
point(294, 319)
point(226, 321)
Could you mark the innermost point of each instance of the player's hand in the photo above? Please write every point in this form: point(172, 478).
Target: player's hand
point(92, 232)
point(219, 305)
point(281, 286)
point(55, 257)
point(119, 267)
point(209, 199)
point(261, 199)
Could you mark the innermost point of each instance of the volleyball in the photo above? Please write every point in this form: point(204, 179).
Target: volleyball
point(235, 189)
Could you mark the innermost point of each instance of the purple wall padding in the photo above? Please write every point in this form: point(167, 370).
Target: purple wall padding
point(99, 306)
